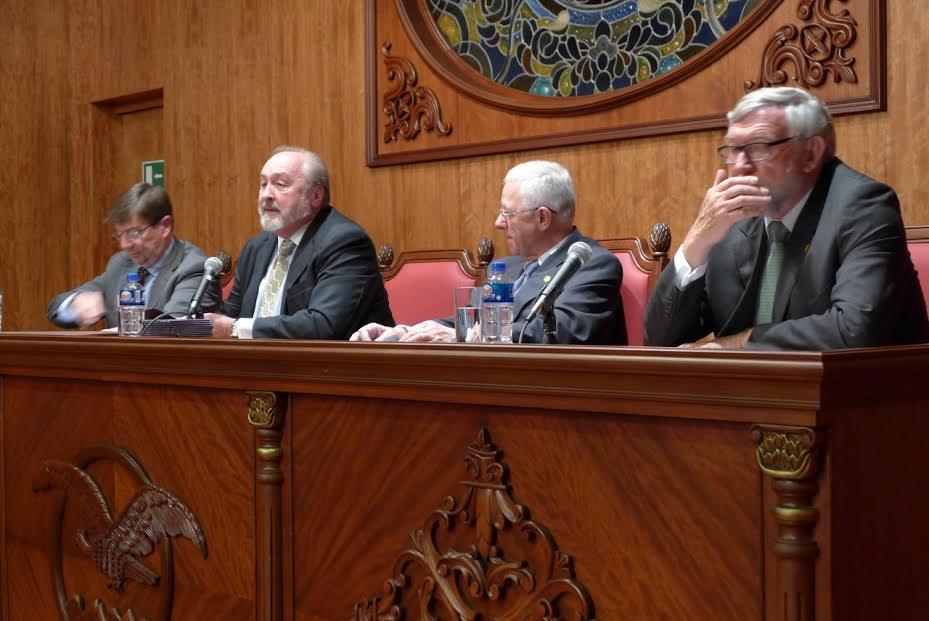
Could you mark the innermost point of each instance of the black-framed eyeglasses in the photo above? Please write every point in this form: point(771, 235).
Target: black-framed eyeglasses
point(509, 214)
point(754, 151)
point(131, 235)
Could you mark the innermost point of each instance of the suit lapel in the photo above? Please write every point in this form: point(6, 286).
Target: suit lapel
point(541, 277)
point(302, 255)
point(262, 260)
point(799, 243)
point(158, 292)
point(748, 258)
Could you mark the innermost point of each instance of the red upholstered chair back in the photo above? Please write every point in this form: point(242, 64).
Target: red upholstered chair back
point(420, 283)
point(917, 240)
point(641, 270)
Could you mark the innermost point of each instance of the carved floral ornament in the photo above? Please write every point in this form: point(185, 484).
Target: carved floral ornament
point(815, 49)
point(115, 547)
point(409, 108)
point(480, 557)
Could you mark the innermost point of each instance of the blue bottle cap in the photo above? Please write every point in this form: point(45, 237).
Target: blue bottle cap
point(498, 266)
point(132, 277)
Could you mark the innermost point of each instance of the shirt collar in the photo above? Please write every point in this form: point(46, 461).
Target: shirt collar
point(790, 219)
point(545, 255)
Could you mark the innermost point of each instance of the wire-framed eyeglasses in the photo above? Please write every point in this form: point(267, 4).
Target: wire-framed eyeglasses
point(131, 235)
point(754, 151)
point(509, 214)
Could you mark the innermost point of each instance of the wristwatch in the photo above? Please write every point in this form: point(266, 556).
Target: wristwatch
point(234, 330)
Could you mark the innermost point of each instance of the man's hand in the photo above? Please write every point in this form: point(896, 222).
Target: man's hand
point(378, 332)
point(730, 200)
point(88, 308)
point(429, 332)
point(733, 341)
point(222, 325)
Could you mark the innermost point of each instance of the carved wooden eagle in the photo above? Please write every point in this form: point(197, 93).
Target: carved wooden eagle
point(116, 547)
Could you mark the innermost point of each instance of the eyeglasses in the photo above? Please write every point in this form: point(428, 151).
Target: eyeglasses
point(754, 151)
point(509, 214)
point(131, 235)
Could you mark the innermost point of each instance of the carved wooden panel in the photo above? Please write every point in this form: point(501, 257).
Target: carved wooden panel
point(833, 47)
point(479, 556)
point(117, 547)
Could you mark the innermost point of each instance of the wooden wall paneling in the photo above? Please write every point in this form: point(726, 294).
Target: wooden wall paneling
point(4, 607)
point(34, 166)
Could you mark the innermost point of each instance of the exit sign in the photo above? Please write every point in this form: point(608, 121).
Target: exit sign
point(153, 173)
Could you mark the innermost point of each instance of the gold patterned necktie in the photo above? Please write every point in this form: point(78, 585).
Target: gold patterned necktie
point(276, 281)
point(777, 234)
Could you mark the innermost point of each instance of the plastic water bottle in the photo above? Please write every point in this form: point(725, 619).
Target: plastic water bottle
point(131, 306)
point(497, 309)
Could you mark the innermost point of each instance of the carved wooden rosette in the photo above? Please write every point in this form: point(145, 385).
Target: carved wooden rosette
point(266, 414)
point(480, 557)
point(409, 108)
point(790, 456)
point(815, 49)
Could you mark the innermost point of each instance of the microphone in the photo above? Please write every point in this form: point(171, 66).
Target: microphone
point(211, 267)
point(578, 254)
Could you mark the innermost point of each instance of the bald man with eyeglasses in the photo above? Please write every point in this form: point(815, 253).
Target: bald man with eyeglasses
point(169, 269)
point(791, 248)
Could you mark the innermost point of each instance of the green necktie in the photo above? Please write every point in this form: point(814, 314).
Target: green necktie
point(777, 234)
point(276, 282)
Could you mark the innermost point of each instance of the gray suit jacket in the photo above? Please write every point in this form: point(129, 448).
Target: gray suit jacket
point(847, 279)
point(589, 310)
point(171, 291)
point(333, 286)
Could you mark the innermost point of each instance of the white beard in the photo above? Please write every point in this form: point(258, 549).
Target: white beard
point(272, 221)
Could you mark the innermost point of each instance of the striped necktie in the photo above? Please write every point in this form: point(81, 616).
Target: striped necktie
point(276, 281)
point(777, 234)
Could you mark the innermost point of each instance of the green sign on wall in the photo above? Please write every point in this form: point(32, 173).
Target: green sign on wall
point(153, 172)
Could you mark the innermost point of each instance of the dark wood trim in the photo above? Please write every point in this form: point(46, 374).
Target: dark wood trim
point(429, 42)
point(134, 102)
point(372, 136)
point(917, 233)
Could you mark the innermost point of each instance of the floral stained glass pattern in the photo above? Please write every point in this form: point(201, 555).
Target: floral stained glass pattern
point(569, 48)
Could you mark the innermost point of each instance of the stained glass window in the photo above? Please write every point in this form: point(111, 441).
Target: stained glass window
point(568, 48)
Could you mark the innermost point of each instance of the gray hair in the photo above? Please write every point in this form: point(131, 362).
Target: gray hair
point(544, 184)
point(314, 169)
point(806, 114)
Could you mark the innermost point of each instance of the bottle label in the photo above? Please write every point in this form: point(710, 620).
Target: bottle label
point(130, 297)
point(502, 292)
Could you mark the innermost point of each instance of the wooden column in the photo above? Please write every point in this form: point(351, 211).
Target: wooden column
point(790, 456)
point(266, 414)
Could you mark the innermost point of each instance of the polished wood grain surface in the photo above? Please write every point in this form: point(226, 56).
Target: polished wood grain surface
point(238, 80)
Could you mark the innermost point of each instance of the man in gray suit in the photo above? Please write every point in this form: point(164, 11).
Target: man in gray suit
point(537, 218)
point(791, 249)
point(169, 269)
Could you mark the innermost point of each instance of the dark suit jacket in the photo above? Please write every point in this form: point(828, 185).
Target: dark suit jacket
point(589, 310)
point(171, 291)
point(847, 279)
point(333, 286)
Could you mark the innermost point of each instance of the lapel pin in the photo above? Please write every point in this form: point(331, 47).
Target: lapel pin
point(546, 279)
point(806, 249)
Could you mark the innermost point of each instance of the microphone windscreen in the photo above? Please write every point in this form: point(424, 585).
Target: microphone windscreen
point(213, 265)
point(581, 250)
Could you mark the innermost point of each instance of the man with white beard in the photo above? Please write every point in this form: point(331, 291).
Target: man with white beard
point(312, 273)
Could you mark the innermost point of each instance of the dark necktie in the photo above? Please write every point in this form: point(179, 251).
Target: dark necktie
point(143, 275)
point(777, 234)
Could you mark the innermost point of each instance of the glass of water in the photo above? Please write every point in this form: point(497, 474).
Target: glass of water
point(468, 313)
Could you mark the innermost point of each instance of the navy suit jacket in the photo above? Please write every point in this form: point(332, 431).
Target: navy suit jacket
point(847, 280)
point(589, 310)
point(333, 286)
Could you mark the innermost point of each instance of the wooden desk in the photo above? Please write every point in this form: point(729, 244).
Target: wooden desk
point(641, 465)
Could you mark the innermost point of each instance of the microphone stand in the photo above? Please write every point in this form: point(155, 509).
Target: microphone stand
point(548, 323)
